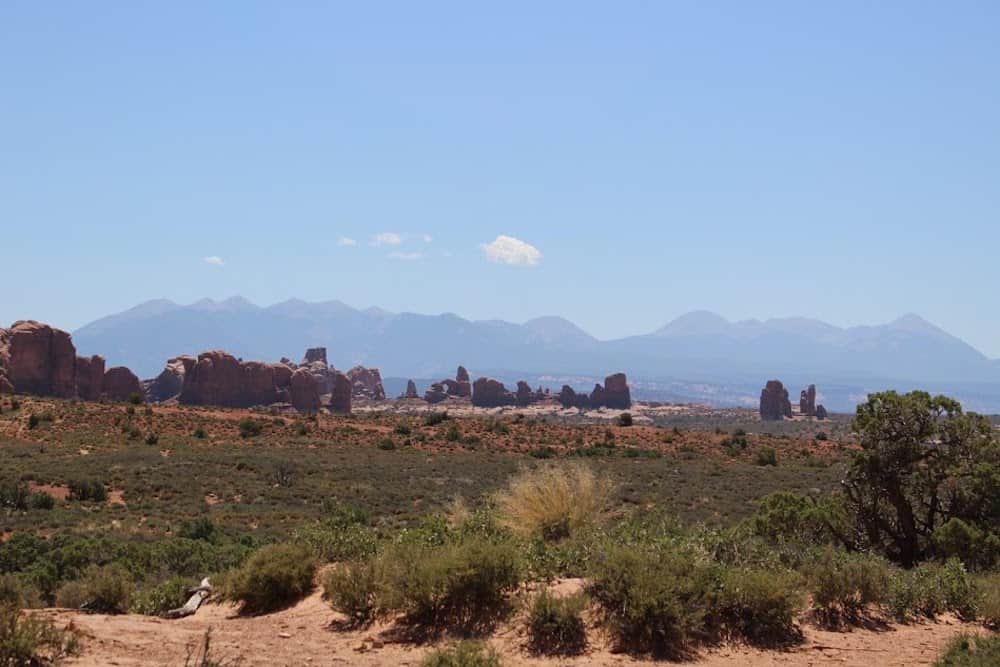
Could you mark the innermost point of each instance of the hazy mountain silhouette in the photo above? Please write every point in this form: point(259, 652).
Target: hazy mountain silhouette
point(699, 347)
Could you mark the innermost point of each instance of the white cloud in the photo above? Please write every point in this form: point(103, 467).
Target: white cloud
point(387, 238)
point(428, 238)
point(215, 260)
point(406, 255)
point(345, 241)
point(509, 250)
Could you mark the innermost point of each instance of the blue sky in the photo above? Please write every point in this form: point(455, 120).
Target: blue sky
point(833, 160)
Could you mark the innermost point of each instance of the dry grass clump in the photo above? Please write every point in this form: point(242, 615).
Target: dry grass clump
point(553, 501)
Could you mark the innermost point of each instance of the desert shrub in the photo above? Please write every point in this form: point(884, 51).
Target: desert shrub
point(989, 600)
point(201, 528)
point(553, 501)
point(33, 421)
point(131, 431)
point(625, 419)
point(435, 418)
point(272, 578)
point(555, 626)
point(652, 600)
point(970, 651)
point(104, 589)
point(342, 534)
point(402, 429)
point(932, 589)
point(788, 518)
point(543, 452)
point(135, 398)
point(350, 588)
point(87, 489)
point(453, 434)
point(40, 500)
point(200, 433)
point(822, 436)
point(387, 444)
point(766, 457)
point(157, 600)
point(843, 585)
point(28, 641)
point(152, 439)
point(460, 584)
point(760, 606)
point(15, 591)
point(463, 654)
point(15, 404)
point(250, 428)
point(959, 539)
point(201, 655)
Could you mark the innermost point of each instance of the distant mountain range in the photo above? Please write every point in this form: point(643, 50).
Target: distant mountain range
point(700, 350)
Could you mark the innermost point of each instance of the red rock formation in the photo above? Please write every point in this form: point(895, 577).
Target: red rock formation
point(315, 354)
point(462, 375)
point(435, 393)
point(366, 383)
point(89, 377)
point(597, 397)
point(524, 396)
point(282, 375)
point(218, 378)
point(616, 392)
point(568, 398)
point(120, 384)
point(304, 392)
point(807, 401)
point(821, 412)
point(168, 384)
point(490, 393)
point(774, 403)
point(411, 390)
point(38, 359)
point(340, 397)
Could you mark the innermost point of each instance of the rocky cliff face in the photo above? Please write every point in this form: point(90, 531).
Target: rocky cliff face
point(490, 393)
point(807, 401)
point(614, 394)
point(37, 359)
point(366, 383)
point(411, 390)
point(168, 384)
point(89, 377)
point(219, 378)
point(120, 384)
point(774, 403)
point(303, 391)
point(340, 396)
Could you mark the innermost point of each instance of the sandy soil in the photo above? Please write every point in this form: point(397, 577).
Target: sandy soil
point(307, 634)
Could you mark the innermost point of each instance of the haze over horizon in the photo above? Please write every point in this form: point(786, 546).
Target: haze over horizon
point(616, 167)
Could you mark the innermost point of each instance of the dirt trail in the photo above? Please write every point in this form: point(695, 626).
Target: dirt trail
point(304, 635)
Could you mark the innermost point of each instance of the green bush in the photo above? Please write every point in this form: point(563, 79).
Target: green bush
point(102, 589)
point(453, 584)
point(625, 419)
point(15, 591)
point(971, 651)
point(766, 457)
point(250, 428)
point(932, 589)
point(974, 547)
point(387, 444)
point(843, 585)
point(989, 600)
point(555, 626)
point(463, 654)
point(402, 429)
point(653, 601)
point(87, 489)
point(152, 439)
point(200, 433)
point(28, 641)
point(273, 578)
point(760, 606)
point(41, 500)
point(435, 418)
point(135, 398)
point(350, 588)
point(157, 600)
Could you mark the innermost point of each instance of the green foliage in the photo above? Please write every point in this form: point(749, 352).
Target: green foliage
point(17, 496)
point(932, 589)
point(555, 626)
point(201, 655)
point(652, 600)
point(351, 589)
point(989, 600)
point(402, 429)
point(843, 585)
point(272, 578)
point(788, 518)
point(922, 462)
point(454, 584)
point(29, 641)
point(342, 534)
point(33, 421)
point(435, 418)
point(971, 651)
point(158, 599)
point(463, 654)
point(104, 590)
point(544, 452)
point(201, 528)
point(152, 439)
point(200, 433)
point(959, 539)
point(250, 428)
point(387, 444)
point(766, 457)
point(87, 489)
point(625, 419)
point(759, 605)
point(135, 398)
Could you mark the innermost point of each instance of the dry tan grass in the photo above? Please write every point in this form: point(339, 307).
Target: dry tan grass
point(553, 501)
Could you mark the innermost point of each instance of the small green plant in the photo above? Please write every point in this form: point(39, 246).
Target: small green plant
point(272, 578)
point(103, 590)
point(402, 429)
point(200, 433)
point(971, 651)
point(29, 641)
point(301, 429)
point(625, 419)
point(135, 398)
point(555, 626)
point(387, 444)
point(543, 452)
point(87, 489)
point(760, 606)
point(843, 585)
point(161, 598)
point(466, 653)
point(822, 436)
point(250, 428)
point(33, 421)
point(453, 434)
point(435, 418)
point(152, 439)
point(766, 457)
point(350, 588)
